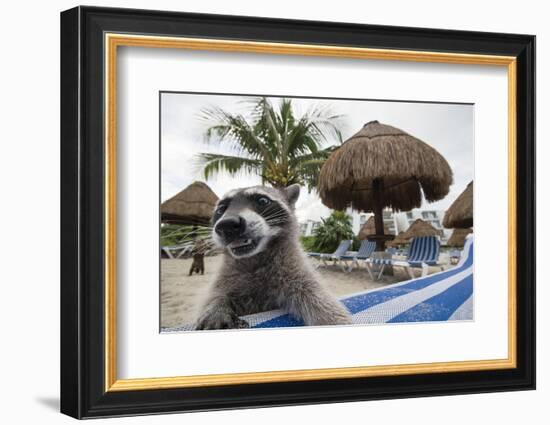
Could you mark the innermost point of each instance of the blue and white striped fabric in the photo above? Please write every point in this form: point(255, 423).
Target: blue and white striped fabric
point(386, 261)
point(341, 250)
point(424, 249)
point(444, 296)
point(365, 251)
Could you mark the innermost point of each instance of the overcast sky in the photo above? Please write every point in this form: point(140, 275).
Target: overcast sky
point(446, 127)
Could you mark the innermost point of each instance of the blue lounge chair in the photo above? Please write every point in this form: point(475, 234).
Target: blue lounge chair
point(392, 251)
point(424, 252)
point(365, 251)
point(454, 256)
point(335, 256)
point(442, 296)
point(178, 251)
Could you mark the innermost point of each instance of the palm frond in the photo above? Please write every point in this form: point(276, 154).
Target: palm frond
point(235, 129)
point(315, 128)
point(213, 164)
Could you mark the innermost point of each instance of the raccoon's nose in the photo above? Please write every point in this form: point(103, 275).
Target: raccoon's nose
point(230, 227)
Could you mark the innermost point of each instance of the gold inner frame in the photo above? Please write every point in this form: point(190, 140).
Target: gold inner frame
point(113, 41)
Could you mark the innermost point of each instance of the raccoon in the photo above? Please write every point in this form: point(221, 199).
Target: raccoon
point(264, 266)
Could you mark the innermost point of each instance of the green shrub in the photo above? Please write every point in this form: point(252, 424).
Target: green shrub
point(332, 231)
point(308, 243)
point(174, 234)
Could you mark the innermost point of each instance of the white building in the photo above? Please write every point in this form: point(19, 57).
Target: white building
point(394, 222)
point(308, 227)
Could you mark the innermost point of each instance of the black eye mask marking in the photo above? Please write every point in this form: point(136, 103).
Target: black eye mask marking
point(259, 201)
point(272, 212)
point(263, 201)
point(220, 209)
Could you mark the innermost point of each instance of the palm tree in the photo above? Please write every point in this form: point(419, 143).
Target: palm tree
point(272, 143)
point(333, 230)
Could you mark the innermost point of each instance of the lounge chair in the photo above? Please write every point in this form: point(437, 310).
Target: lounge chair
point(424, 252)
point(178, 251)
point(454, 256)
point(365, 251)
point(442, 296)
point(323, 258)
point(392, 251)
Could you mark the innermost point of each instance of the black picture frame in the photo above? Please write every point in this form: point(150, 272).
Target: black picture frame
point(83, 392)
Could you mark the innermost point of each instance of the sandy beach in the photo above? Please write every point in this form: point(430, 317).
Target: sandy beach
point(181, 294)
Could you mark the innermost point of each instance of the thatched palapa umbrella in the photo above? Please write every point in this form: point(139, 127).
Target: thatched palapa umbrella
point(192, 206)
point(369, 229)
point(382, 166)
point(461, 213)
point(399, 240)
point(420, 228)
point(458, 237)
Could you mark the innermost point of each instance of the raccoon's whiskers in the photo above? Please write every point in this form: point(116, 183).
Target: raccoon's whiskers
point(275, 215)
point(275, 219)
point(279, 221)
point(273, 210)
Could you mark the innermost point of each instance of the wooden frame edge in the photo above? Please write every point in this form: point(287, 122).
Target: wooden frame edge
point(114, 40)
point(137, 384)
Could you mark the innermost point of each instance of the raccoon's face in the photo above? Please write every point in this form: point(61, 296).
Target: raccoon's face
point(245, 220)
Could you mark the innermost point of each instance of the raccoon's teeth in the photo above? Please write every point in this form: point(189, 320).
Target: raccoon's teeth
point(241, 243)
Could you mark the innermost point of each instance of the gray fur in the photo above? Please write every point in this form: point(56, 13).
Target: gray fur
point(278, 276)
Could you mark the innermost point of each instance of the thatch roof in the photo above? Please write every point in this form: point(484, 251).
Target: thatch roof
point(369, 229)
point(420, 228)
point(194, 205)
point(461, 213)
point(405, 165)
point(399, 240)
point(458, 237)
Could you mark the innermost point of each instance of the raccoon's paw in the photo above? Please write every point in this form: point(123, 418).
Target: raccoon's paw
point(336, 315)
point(221, 321)
point(341, 319)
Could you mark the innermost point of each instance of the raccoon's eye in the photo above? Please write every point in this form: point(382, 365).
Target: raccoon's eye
point(263, 201)
point(221, 209)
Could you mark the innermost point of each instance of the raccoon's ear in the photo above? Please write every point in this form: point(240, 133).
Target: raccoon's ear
point(292, 193)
